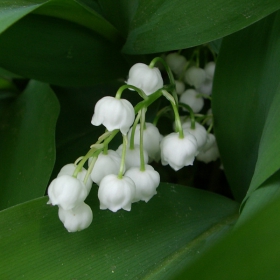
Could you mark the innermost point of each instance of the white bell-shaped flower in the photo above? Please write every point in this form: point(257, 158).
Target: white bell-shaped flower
point(77, 218)
point(146, 78)
point(115, 193)
point(210, 69)
point(146, 182)
point(151, 139)
point(105, 165)
point(180, 87)
point(178, 152)
point(66, 192)
point(69, 169)
point(176, 62)
point(199, 132)
point(132, 157)
point(191, 98)
point(210, 151)
point(114, 114)
point(195, 76)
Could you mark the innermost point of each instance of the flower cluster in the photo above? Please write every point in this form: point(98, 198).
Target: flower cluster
point(126, 176)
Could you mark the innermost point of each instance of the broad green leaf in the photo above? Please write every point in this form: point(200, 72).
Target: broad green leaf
point(120, 13)
point(163, 25)
point(251, 252)
point(269, 150)
point(260, 198)
point(77, 12)
point(59, 52)
point(11, 12)
point(246, 81)
point(27, 144)
point(152, 241)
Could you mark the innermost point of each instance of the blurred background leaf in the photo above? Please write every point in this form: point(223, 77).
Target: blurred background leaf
point(152, 241)
point(246, 81)
point(27, 144)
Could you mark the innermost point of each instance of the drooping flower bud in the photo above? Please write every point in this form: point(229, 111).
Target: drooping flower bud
point(176, 62)
point(195, 76)
point(210, 69)
point(69, 169)
point(115, 193)
point(114, 114)
point(146, 182)
point(105, 165)
point(77, 218)
point(66, 192)
point(178, 152)
point(206, 87)
point(199, 132)
point(147, 79)
point(210, 151)
point(180, 87)
point(190, 97)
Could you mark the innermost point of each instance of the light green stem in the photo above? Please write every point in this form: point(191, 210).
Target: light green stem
point(93, 149)
point(176, 113)
point(169, 73)
point(123, 157)
point(131, 146)
point(86, 157)
point(142, 128)
point(167, 68)
point(190, 110)
point(124, 87)
point(94, 159)
point(210, 128)
point(161, 112)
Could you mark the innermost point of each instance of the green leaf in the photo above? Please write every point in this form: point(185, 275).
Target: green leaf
point(250, 252)
point(82, 14)
point(269, 150)
point(120, 13)
point(27, 144)
point(163, 25)
point(12, 12)
point(260, 198)
point(152, 241)
point(246, 81)
point(59, 52)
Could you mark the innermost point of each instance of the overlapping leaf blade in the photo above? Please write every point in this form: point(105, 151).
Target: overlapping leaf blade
point(246, 81)
point(250, 252)
point(12, 12)
point(67, 43)
point(150, 242)
point(269, 150)
point(27, 144)
point(162, 25)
